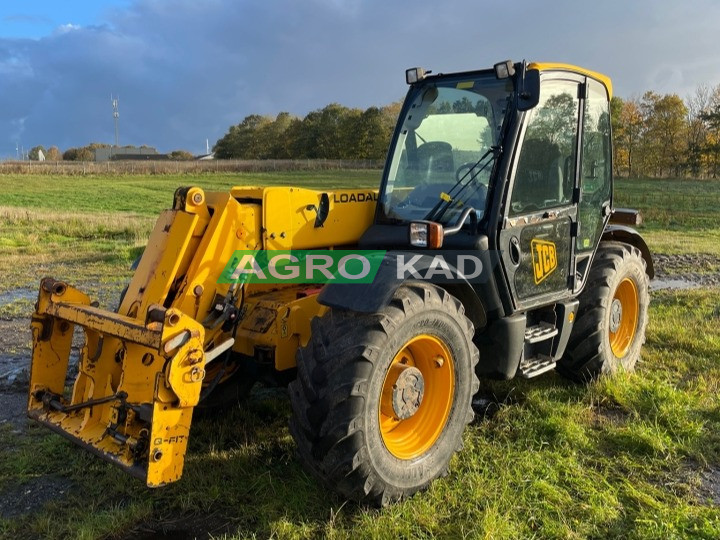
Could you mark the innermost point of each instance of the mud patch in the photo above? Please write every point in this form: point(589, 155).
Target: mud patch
point(688, 262)
point(688, 271)
point(15, 295)
point(12, 409)
point(33, 495)
point(604, 416)
point(16, 350)
point(15, 345)
point(710, 484)
point(16, 337)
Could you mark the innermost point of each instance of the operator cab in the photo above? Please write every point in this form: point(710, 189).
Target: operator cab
point(445, 147)
point(513, 161)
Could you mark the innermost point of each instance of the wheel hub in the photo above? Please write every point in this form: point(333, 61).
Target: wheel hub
point(408, 392)
point(416, 396)
point(615, 315)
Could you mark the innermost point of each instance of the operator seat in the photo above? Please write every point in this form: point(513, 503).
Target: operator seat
point(539, 179)
point(435, 157)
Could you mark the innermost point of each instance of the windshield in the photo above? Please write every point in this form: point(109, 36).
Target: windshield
point(442, 159)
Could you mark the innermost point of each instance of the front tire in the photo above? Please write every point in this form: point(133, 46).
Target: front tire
point(613, 314)
point(381, 400)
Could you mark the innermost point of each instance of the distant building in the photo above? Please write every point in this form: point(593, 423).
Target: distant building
point(206, 157)
point(132, 153)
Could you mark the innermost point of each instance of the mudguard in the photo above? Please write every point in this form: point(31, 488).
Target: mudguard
point(372, 297)
point(628, 235)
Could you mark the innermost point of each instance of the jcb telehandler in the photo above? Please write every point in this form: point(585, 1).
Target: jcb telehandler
point(511, 164)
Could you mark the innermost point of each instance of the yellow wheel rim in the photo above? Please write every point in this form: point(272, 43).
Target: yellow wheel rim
point(417, 397)
point(624, 311)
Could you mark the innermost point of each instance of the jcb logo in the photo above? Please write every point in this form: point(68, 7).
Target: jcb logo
point(544, 256)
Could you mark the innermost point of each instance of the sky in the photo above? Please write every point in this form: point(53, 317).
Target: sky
point(186, 70)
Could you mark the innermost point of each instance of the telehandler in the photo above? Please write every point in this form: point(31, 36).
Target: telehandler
point(511, 164)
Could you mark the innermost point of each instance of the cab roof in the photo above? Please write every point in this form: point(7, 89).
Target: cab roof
point(555, 66)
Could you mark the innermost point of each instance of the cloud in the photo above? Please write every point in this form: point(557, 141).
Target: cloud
point(65, 28)
point(186, 70)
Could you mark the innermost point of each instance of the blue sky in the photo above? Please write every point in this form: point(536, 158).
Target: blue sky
point(185, 70)
point(38, 18)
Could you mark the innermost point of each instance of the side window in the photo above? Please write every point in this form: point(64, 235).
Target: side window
point(545, 172)
point(596, 166)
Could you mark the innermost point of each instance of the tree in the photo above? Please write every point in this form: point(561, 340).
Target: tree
point(663, 137)
point(627, 123)
point(698, 130)
point(241, 141)
point(53, 154)
point(710, 116)
point(79, 154)
point(278, 137)
point(325, 133)
point(34, 153)
point(369, 139)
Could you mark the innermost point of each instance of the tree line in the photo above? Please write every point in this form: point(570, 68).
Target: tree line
point(656, 135)
point(662, 135)
point(333, 132)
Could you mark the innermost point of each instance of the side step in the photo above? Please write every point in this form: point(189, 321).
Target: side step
point(535, 359)
point(539, 332)
point(532, 367)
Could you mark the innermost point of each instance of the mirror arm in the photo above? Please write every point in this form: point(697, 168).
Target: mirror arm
point(468, 212)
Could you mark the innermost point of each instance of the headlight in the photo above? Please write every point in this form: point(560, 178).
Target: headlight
point(426, 234)
point(505, 69)
point(414, 75)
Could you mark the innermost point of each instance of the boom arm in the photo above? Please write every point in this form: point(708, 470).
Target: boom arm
point(143, 369)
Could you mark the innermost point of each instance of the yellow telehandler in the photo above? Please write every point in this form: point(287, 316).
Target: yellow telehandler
point(491, 249)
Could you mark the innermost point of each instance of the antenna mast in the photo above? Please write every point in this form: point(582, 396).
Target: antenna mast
point(116, 115)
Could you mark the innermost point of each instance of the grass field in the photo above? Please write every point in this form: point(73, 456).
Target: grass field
point(636, 456)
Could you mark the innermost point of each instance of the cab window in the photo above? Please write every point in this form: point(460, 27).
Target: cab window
point(545, 172)
point(596, 166)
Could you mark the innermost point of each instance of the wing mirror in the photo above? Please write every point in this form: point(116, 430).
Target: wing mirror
point(322, 210)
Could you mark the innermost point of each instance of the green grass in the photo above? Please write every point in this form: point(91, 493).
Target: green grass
point(618, 458)
point(148, 194)
point(681, 216)
point(621, 457)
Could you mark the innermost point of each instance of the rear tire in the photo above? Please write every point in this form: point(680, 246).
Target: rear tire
point(613, 314)
point(375, 434)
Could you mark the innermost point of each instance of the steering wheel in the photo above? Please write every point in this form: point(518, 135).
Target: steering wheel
point(467, 166)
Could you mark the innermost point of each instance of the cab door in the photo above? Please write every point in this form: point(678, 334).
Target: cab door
point(540, 213)
point(595, 178)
